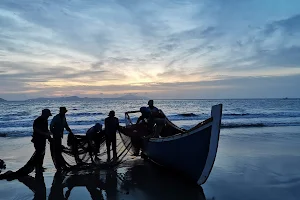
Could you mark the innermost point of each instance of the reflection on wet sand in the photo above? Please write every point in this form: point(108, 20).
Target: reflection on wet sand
point(57, 189)
point(158, 183)
point(141, 180)
point(36, 185)
point(91, 180)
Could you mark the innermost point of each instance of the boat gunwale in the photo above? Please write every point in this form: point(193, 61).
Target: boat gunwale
point(184, 133)
point(194, 130)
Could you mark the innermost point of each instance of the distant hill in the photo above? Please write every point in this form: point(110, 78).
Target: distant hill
point(132, 97)
point(76, 98)
point(2, 100)
point(70, 98)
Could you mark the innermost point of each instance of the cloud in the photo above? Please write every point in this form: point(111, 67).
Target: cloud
point(78, 46)
point(284, 58)
point(290, 25)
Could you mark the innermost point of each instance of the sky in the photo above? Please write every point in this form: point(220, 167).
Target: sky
point(181, 49)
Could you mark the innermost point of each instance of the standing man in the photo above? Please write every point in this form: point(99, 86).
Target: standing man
point(111, 127)
point(151, 107)
point(153, 111)
point(57, 126)
point(40, 134)
point(156, 118)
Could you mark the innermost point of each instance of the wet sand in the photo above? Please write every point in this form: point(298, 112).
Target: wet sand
point(253, 163)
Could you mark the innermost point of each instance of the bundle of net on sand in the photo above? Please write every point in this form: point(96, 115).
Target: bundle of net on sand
point(80, 156)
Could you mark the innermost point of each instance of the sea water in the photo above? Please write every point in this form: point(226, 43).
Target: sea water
point(16, 118)
point(258, 152)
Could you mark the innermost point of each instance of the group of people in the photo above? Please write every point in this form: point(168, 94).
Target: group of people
point(94, 134)
point(58, 124)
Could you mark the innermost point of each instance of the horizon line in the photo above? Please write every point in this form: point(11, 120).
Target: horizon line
point(118, 98)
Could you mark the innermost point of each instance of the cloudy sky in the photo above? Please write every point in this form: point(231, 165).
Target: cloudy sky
point(154, 48)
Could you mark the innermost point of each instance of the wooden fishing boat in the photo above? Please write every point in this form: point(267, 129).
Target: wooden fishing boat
point(191, 152)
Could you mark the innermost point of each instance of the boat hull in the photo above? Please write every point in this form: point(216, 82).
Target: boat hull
point(187, 155)
point(192, 153)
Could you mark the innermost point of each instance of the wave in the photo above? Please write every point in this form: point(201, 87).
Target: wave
point(81, 129)
point(239, 125)
point(203, 116)
point(84, 114)
point(14, 116)
point(236, 114)
point(228, 121)
point(187, 114)
point(248, 125)
point(252, 125)
point(263, 115)
point(15, 134)
point(20, 113)
point(26, 133)
point(18, 126)
point(24, 116)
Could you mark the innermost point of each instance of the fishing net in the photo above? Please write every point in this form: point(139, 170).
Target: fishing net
point(132, 135)
point(78, 154)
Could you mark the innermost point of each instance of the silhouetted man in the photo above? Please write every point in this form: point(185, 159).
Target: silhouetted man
point(40, 134)
point(94, 135)
point(156, 117)
point(111, 127)
point(57, 126)
point(151, 106)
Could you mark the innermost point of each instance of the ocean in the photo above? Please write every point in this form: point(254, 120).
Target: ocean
point(258, 152)
point(16, 118)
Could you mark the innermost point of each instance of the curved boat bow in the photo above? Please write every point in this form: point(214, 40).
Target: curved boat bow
point(191, 152)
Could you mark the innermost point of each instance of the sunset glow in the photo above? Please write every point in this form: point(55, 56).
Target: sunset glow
point(162, 49)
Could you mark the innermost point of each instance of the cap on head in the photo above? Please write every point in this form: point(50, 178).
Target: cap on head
point(98, 126)
point(150, 102)
point(63, 110)
point(111, 113)
point(46, 112)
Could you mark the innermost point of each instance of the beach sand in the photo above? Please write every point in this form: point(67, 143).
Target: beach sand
point(251, 163)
